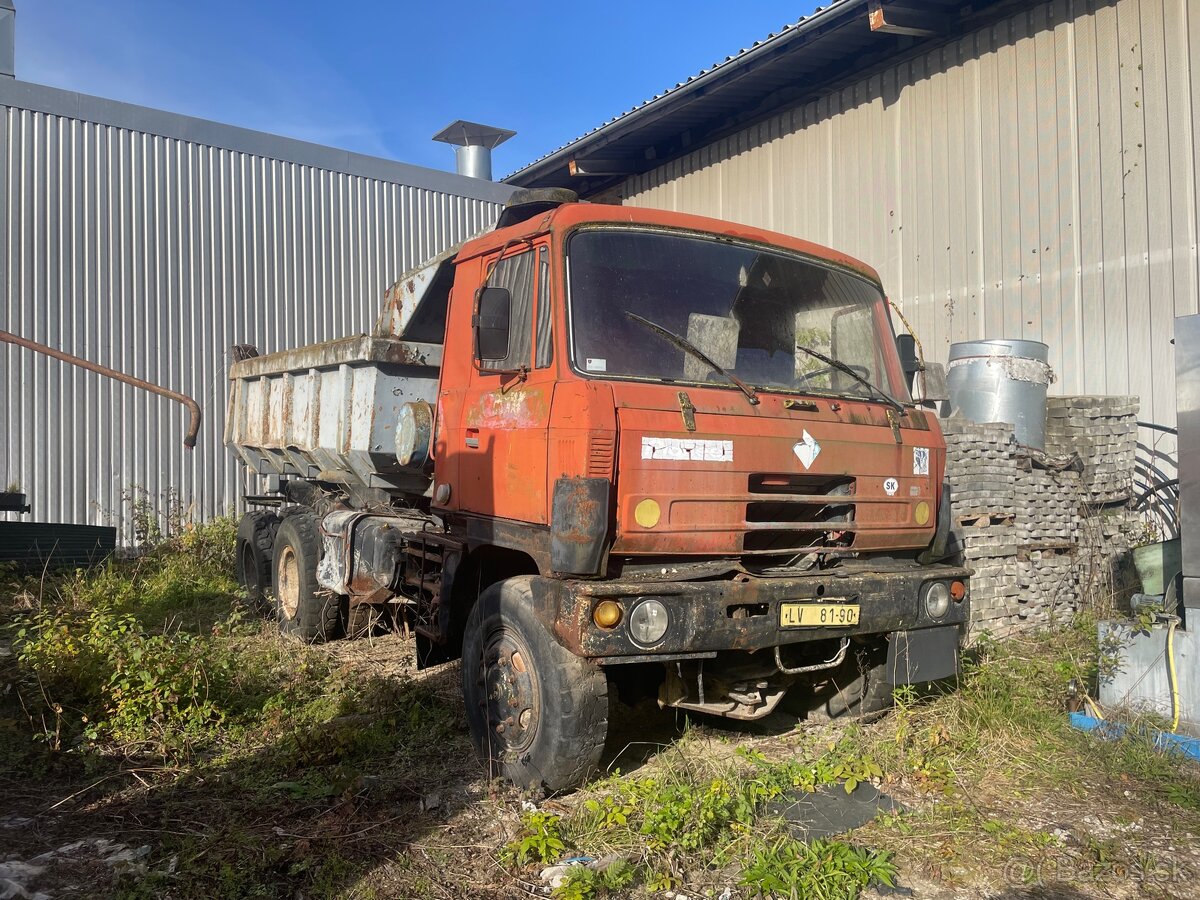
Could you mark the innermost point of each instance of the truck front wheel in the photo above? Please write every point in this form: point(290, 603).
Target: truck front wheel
point(538, 714)
point(303, 608)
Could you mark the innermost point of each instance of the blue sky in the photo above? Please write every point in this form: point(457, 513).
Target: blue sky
point(382, 77)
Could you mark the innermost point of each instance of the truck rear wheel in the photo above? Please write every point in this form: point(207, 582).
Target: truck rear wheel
point(302, 607)
point(253, 553)
point(538, 713)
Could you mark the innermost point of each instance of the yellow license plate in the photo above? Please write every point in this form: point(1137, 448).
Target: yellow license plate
point(818, 615)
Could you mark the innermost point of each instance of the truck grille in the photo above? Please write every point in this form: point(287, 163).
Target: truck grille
point(808, 508)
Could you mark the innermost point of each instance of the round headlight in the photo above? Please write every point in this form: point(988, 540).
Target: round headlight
point(648, 622)
point(937, 600)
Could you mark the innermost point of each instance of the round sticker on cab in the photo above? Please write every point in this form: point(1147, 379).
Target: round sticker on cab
point(891, 486)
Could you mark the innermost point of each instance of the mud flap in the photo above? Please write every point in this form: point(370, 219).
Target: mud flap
point(579, 517)
point(926, 654)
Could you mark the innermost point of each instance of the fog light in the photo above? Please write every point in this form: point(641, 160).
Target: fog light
point(607, 613)
point(647, 513)
point(921, 513)
point(958, 590)
point(937, 600)
point(648, 622)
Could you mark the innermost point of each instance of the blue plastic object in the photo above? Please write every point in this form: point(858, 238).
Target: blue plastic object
point(1163, 740)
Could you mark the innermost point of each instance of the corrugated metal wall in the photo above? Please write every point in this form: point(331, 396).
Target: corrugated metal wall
point(1034, 180)
point(153, 253)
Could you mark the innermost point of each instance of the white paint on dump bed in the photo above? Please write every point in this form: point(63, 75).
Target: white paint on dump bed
point(330, 411)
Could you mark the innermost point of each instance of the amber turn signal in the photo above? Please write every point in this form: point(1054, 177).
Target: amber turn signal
point(958, 590)
point(921, 513)
point(647, 513)
point(607, 613)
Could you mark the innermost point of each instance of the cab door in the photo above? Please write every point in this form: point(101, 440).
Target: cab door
point(506, 404)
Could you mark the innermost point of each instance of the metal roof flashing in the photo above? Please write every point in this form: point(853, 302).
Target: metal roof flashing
point(833, 44)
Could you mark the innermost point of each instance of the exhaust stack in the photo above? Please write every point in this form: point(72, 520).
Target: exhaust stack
point(473, 144)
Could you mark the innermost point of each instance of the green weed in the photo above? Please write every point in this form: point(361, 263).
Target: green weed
point(541, 842)
point(822, 870)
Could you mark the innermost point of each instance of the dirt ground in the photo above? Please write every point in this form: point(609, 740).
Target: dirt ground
point(437, 833)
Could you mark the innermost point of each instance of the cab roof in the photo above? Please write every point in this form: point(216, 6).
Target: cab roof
point(567, 216)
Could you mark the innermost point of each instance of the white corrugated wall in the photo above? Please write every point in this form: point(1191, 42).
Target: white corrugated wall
point(153, 255)
point(1034, 180)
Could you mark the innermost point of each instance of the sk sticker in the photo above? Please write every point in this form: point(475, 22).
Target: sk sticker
point(920, 460)
point(890, 486)
point(807, 450)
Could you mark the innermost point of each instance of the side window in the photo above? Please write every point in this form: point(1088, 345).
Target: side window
point(515, 274)
point(545, 342)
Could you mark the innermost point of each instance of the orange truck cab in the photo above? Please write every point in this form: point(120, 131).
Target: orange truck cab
point(604, 451)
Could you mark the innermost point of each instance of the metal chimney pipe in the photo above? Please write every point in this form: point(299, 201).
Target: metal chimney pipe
point(473, 144)
point(8, 39)
point(474, 161)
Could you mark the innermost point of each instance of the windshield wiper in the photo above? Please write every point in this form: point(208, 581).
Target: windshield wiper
point(870, 386)
point(688, 347)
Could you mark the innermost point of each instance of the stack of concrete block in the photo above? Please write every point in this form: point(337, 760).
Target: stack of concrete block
point(1103, 431)
point(1040, 537)
point(986, 469)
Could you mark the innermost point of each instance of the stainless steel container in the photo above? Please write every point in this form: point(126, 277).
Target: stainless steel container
point(1002, 381)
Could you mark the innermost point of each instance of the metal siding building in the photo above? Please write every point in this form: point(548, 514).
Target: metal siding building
point(151, 243)
point(1034, 178)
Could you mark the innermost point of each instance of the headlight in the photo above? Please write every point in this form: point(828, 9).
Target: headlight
point(937, 600)
point(648, 622)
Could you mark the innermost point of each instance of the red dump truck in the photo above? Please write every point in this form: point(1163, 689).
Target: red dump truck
point(600, 451)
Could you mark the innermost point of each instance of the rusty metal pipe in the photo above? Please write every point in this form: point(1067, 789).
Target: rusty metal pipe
point(193, 407)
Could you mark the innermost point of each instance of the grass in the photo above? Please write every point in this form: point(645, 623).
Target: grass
point(245, 758)
point(140, 701)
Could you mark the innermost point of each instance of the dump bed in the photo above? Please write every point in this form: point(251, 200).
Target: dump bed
point(330, 411)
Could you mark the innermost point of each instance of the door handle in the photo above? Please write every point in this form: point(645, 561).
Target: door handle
point(473, 438)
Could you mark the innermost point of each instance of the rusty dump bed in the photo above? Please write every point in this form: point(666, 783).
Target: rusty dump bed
point(330, 411)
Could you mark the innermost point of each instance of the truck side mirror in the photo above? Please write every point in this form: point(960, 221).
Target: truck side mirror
point(492, 324)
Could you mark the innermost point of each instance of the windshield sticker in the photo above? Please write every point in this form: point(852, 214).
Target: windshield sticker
point(687, 450)
point(920, 460)
point(890, 486)
point(807, 450)
point(597, 365)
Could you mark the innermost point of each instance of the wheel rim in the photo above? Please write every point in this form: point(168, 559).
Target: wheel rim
point(289, 582)
point(509, 692)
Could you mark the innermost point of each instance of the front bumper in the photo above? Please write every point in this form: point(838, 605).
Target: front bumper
point(742, 613)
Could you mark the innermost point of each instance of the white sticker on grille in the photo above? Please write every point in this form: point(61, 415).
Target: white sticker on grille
point(920, 460)
point(687, 449)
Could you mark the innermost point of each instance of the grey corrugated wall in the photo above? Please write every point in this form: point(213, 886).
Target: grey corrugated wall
point(151, 243)
point(1036, 179)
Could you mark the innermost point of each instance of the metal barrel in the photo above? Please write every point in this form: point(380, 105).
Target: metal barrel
point(1002, 381)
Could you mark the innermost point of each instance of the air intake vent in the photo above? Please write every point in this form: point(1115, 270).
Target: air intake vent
point(601, 450)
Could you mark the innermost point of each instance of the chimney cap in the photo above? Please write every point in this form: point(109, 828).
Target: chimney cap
point(471, 134)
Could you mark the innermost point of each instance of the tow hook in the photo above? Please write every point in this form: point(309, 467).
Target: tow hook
point(828, 664)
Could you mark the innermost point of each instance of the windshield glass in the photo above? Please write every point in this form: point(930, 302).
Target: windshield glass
point(752, 311)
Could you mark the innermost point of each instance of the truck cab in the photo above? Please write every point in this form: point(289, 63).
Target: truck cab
point(662, 454)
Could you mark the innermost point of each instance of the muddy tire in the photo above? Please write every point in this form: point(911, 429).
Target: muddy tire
point(253, 554)
point(538, 714)
point(859, 690)
point(302, 607)
point(856, 690)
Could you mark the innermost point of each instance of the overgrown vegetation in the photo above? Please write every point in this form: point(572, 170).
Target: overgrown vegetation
point(140, 700)
point(656, 830)
point(149, 674)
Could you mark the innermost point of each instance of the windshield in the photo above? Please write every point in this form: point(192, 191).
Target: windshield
point(754, 312)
